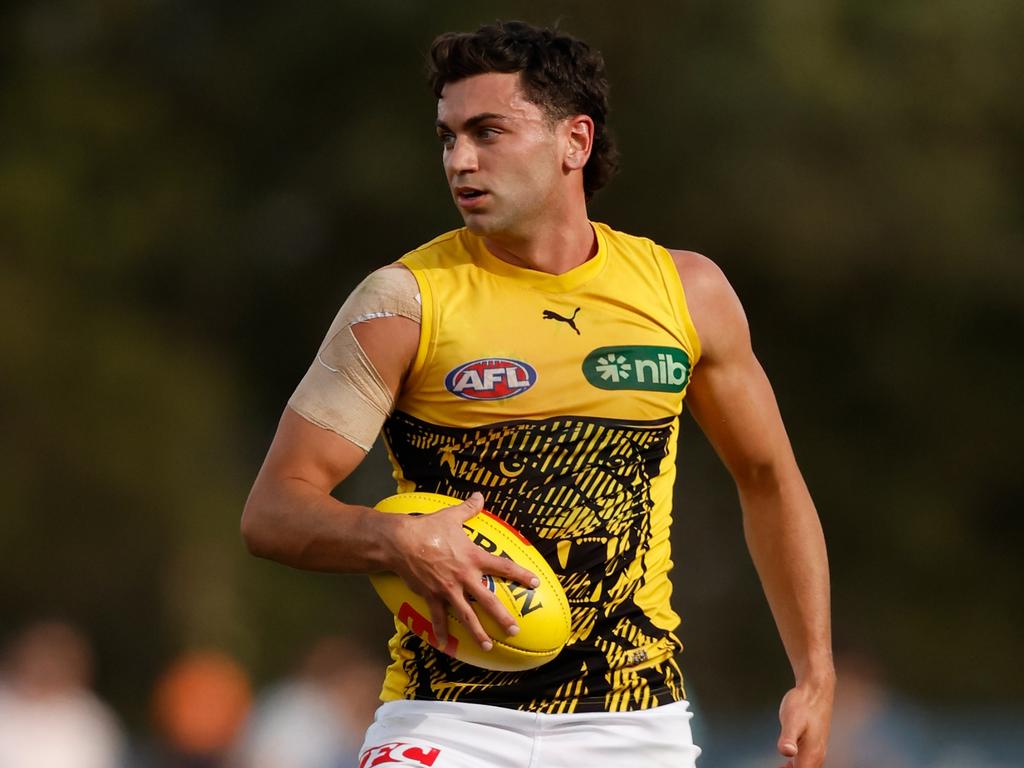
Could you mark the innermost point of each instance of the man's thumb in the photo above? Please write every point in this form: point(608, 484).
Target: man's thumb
point(792, 722)
point(787, 745)
point(472, 505)
point(789, 737)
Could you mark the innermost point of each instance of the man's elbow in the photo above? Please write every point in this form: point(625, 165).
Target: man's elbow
point(758, 478)
point(771, 482)
point(255, 529)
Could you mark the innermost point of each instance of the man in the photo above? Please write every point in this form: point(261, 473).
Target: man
point(537, 362)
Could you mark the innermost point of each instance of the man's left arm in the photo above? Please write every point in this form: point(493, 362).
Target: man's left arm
point(733, 402)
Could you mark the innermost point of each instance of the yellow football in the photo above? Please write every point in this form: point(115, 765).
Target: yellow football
point(541, 613)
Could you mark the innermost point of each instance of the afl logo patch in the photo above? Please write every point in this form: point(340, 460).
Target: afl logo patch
point(490, 379)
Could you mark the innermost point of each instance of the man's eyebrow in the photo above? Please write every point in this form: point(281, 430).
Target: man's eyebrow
point(474, 121)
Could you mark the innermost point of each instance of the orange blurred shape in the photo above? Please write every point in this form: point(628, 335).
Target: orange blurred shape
point(201, 701)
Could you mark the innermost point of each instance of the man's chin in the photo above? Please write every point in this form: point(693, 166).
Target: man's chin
point(479, 225)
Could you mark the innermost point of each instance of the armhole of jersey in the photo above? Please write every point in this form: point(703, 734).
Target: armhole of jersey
point(427, 319)
point(402, 485)
point(674, 286)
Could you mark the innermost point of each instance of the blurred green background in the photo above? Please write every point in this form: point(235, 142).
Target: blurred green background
point(188, 191)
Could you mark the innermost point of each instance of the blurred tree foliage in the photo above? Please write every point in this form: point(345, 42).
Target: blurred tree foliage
point(188, 191)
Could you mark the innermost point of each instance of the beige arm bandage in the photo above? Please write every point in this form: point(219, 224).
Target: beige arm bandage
point(342, 390)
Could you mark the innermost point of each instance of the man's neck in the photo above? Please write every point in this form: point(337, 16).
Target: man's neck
point(555, 250)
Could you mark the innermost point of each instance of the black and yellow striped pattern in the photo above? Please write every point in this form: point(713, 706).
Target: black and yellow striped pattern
point(579, 489)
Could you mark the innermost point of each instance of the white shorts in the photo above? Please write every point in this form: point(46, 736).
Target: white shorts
point(441, 734)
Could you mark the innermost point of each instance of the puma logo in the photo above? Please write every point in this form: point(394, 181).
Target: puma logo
point(571, 321)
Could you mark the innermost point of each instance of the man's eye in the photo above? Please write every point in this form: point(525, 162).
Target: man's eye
point(446, 139)
point(487, 133)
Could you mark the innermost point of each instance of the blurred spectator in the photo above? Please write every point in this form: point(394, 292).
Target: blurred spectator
point(317, 718)
point(870, 729)
point(48, 716)
point(199, 705)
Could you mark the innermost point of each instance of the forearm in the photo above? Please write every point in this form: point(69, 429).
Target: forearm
point(293, 522)
point(786, 543)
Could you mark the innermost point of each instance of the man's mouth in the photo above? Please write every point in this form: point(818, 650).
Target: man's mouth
point(467, 196)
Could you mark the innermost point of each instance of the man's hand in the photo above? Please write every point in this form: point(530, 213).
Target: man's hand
point(805, 715)
point(437, 560)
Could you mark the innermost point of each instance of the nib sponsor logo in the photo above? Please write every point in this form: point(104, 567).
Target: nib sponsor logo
point(613, 368)
point(657, 369)
point(490, 379)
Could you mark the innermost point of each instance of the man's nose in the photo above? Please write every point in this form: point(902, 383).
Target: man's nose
point(462, 158)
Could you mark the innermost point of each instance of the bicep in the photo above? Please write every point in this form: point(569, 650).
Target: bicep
point(733, 402)
point(303, 451)
point(730, 396)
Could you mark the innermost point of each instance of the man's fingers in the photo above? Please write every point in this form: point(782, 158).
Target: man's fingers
point(508, 569)
point(465, 615)
point(468, 618)
point(439, 619)
point(492, 564)
point(490, 603)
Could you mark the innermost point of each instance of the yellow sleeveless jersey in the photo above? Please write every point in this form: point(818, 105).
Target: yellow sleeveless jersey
point(557, 397)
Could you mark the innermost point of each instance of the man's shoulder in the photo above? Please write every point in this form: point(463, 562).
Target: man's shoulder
point(451, 244)
point(695, 269)
point(685, 260)
point(621, 238)
point(700, 276)
point(702, 279)
point(711, 300)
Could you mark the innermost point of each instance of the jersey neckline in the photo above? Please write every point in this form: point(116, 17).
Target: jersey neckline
point(567, 281)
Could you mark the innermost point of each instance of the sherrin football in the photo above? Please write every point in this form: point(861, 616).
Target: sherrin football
point(541, 613)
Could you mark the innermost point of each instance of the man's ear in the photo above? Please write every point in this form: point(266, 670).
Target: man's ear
point(581, 141)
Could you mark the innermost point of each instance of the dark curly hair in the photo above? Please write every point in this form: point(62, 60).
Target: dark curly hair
point(560, 74)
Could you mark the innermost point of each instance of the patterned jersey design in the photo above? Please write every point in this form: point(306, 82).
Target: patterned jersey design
point(579, 489)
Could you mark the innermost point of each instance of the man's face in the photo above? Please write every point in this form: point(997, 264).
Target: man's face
point(502, 155)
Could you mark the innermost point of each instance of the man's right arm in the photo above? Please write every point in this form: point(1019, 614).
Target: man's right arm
point(291, 517)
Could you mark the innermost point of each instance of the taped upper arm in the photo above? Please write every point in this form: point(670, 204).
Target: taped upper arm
point(351, 385)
